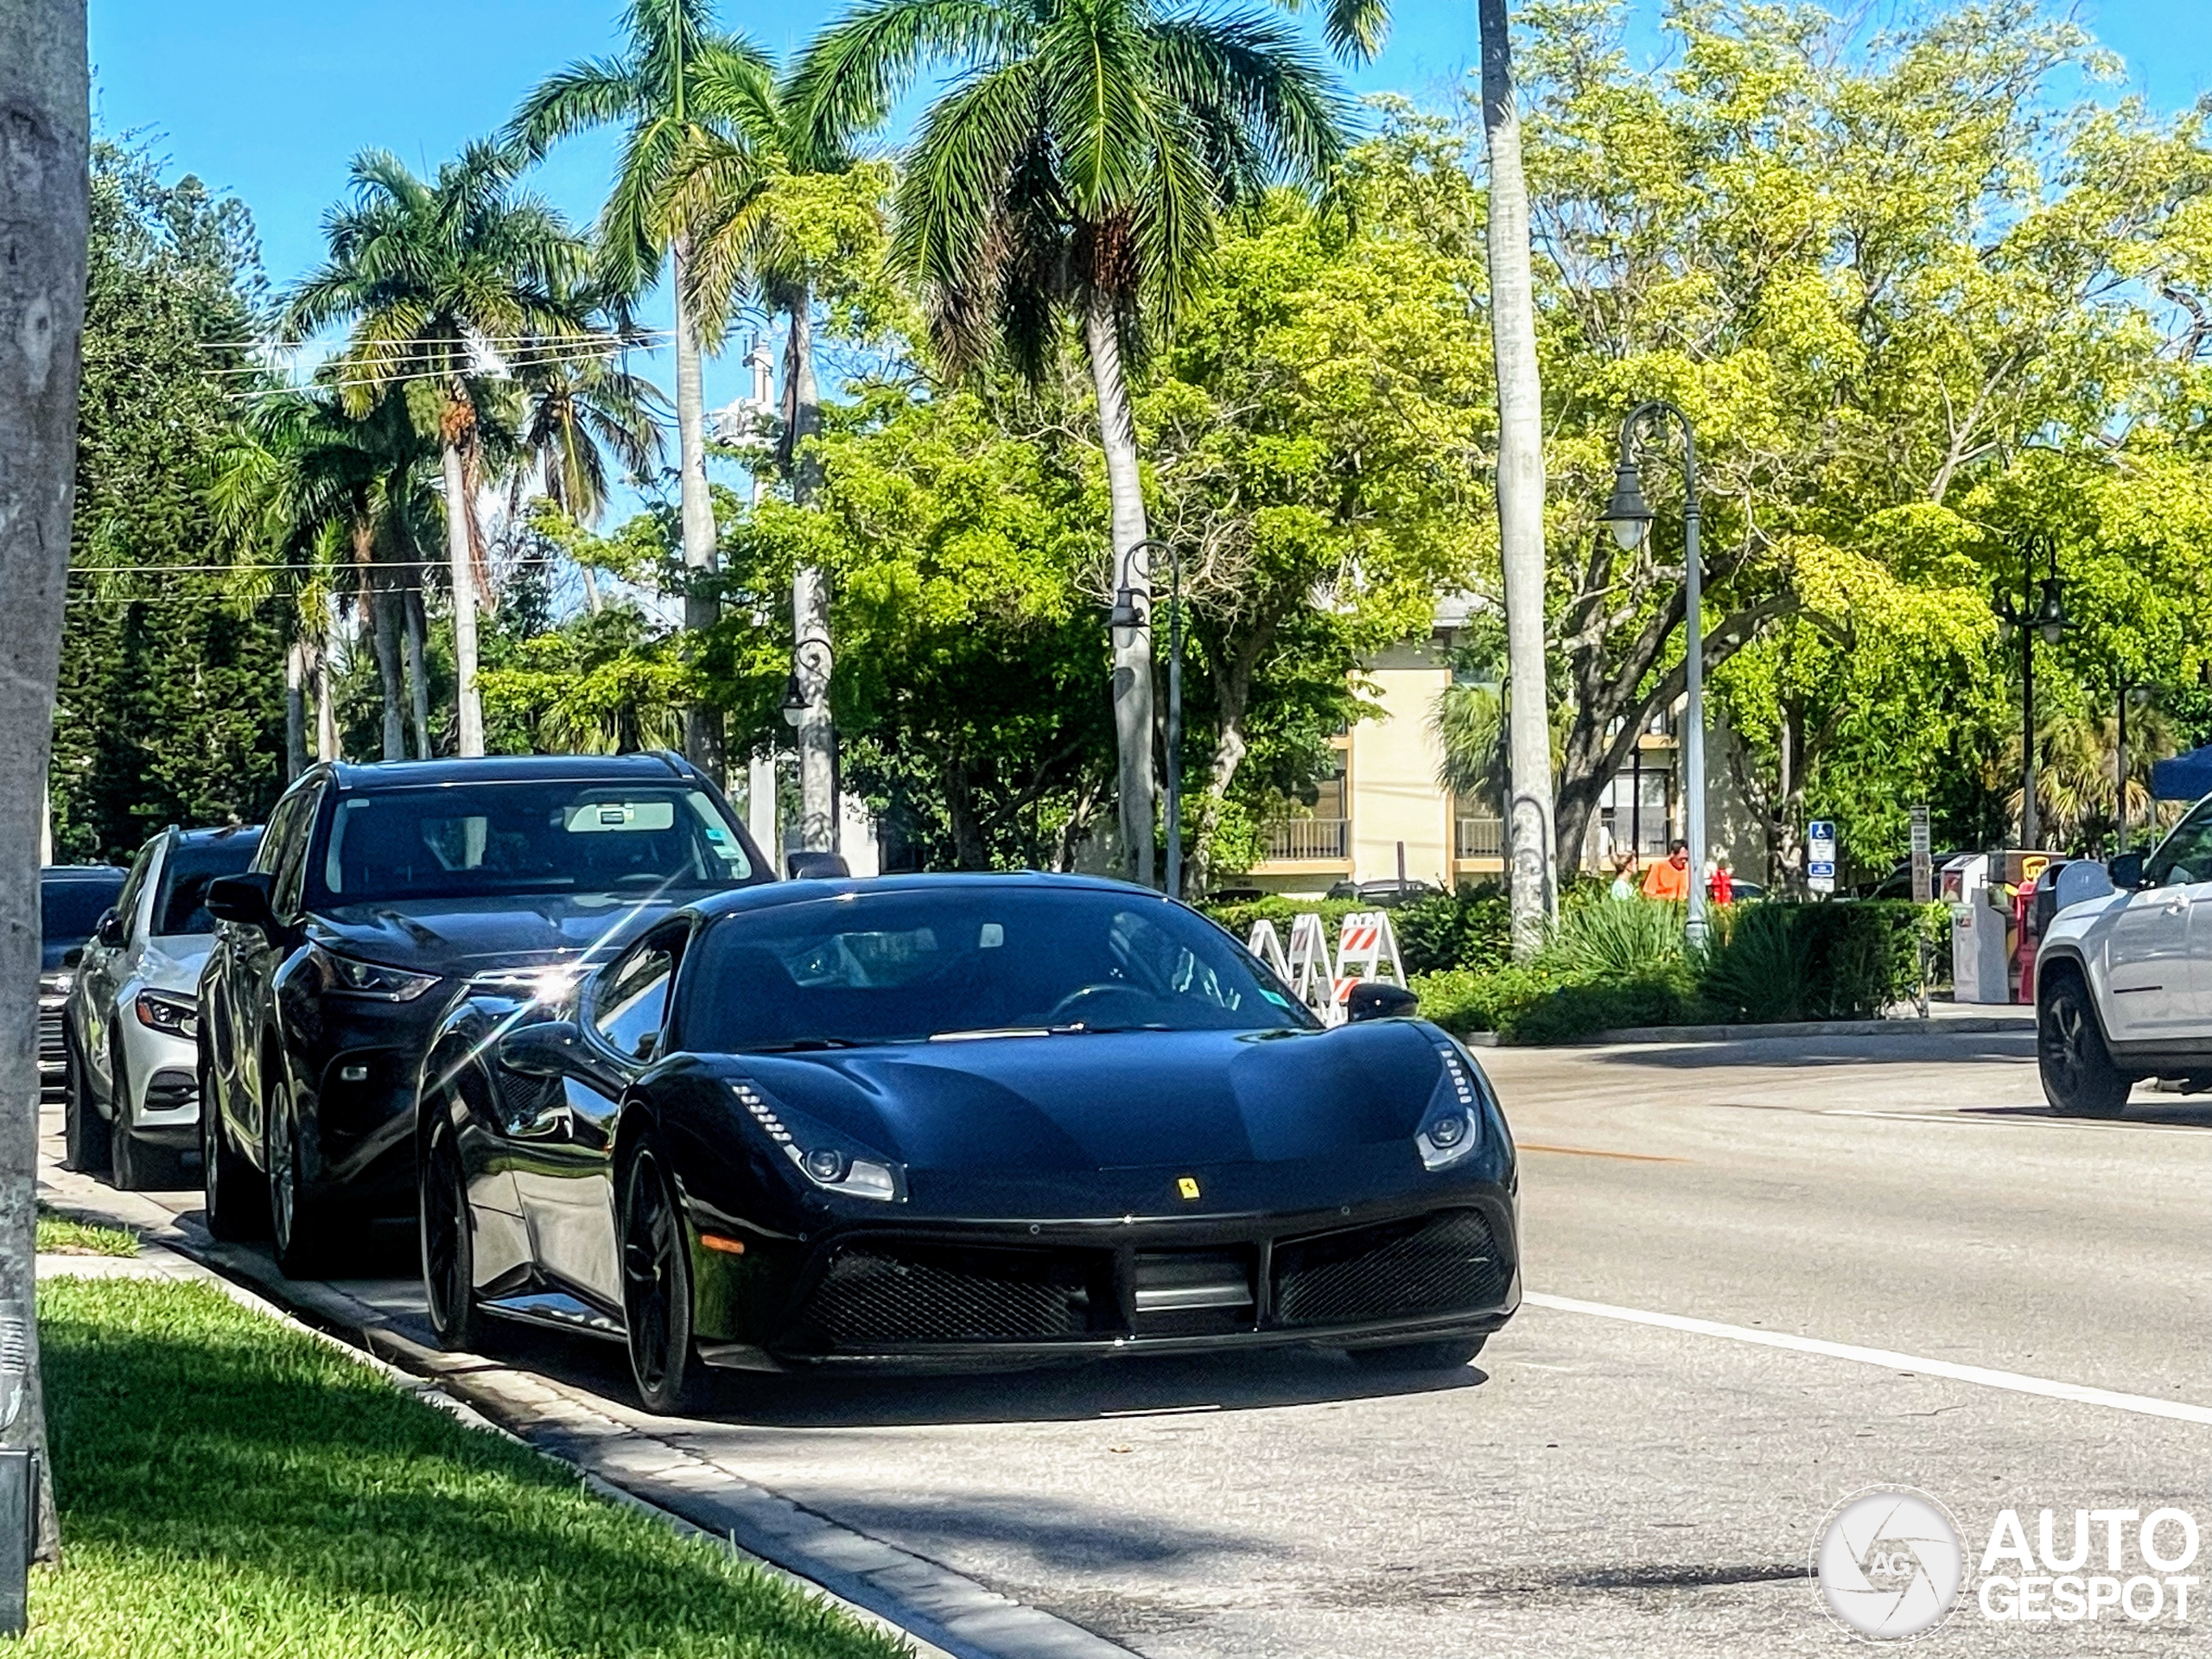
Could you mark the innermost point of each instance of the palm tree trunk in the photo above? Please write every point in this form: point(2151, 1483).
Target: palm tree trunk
point(1117, 437)
point(814, 657)
point(296, 709)
point(326, 709)
point(384, 634)
point(44, 91)
point(703, 727)
point(1535, 880)
point(469, 724)
point(419, 674)
point(593, 603)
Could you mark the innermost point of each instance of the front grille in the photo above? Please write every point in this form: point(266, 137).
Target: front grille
point(916, 1294)
point(1445, 1264)
point(50, 1051)
point(170, 1091)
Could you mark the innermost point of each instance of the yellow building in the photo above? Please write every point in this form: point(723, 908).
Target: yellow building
point(1382, 813)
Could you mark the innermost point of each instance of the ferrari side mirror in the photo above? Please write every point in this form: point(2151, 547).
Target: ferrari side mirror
point(1378, 999)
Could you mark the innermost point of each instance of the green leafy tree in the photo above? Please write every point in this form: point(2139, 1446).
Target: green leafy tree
point(1079, 163)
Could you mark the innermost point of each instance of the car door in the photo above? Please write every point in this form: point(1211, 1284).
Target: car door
point(566, 1177)
point(2155, 953)
point(103, 968)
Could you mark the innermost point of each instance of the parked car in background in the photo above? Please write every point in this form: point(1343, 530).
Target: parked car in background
point(943, 1122)
point(71, 899)
point(131, 1097)
point(376, 894)
point(1386, 893)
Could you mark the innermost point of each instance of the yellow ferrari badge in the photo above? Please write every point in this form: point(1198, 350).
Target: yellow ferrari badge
point(1187, 1186)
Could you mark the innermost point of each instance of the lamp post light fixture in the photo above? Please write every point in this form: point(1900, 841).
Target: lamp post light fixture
point(800, 693)
point(1128, 614)
point(2042, 610)
point(1629, 516)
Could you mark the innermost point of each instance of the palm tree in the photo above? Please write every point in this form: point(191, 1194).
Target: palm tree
point(1079, 163)
point(442, 281)
point(579, 414)
point(773, 210)
point(672, 85)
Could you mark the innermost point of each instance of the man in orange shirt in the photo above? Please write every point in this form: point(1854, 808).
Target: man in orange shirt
point(1669, 880)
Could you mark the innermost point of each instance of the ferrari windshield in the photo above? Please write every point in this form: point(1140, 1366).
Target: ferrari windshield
point(969, 962)
point(476, 839)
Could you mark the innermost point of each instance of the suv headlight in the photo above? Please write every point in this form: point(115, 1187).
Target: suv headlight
point(167, 1013)
point(829, 1161)
point(371, 980)
point(1451, 1130)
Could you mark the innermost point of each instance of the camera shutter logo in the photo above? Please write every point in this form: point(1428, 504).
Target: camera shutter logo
point(1890, 1563)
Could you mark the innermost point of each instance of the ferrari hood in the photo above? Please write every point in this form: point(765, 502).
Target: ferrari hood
point(455, 936)
point(1118, 1100)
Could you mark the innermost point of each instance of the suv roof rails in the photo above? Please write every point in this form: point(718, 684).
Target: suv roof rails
point(675, 762)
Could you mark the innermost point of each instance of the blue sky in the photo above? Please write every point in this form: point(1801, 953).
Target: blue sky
point(270, 99)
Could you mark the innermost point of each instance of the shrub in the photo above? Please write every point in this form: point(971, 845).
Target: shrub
point(1469, 929)
point(1238, 917)
point(1609, 939)
point(1583, 1009)
point(1462, 1000)
point(1757, 969)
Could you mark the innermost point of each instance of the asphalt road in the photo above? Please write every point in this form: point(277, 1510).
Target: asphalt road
point(1602, 1481)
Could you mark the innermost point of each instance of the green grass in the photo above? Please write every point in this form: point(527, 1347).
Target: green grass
point(64, 1235)
point(231, 1489)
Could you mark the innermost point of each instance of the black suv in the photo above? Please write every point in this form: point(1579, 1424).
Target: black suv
point(378, 892)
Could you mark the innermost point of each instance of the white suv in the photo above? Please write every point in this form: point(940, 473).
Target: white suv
point(2124, 981)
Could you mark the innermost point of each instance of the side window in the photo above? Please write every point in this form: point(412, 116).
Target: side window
point(126, 902)
point(631, 1003)
point(2185, 856)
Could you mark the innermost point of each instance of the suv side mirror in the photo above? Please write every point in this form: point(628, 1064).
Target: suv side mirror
point(245, 900)
point(1378, 999)
point(544, 1049)
point(109, 929)
point(818, 867)
point(2127, 872)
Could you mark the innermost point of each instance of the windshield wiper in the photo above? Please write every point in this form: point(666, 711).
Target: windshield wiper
point(799, 1045)
point(1083, 1030)
point(982, 1031)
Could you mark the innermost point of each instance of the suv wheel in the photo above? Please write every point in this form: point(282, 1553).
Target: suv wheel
point(84, 1131)
point(297, 1221)
point(236, 1202)
point(2079, 1077)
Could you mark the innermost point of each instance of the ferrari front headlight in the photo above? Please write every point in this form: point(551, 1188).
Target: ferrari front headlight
point(1451, 1131)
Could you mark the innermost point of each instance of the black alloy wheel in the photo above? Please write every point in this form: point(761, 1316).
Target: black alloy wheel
point(2079, 1077)
point(140, 1166)
point(236, 1202)
point(295, 1217)
point(1448, 1354)
point(449, 1245)
point(85, 1141)
point(657, 1292)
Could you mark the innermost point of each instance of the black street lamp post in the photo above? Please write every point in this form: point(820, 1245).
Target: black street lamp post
point(2045, 615)
point(1127, 614)
point(1630, 516)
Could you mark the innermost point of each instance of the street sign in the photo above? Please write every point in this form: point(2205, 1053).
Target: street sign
point(1923, 861)
point(1819, 855)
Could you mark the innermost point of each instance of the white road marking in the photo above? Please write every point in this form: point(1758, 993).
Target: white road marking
point(2141, 1404)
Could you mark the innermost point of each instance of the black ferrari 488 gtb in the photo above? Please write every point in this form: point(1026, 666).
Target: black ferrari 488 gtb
point(955, 1122)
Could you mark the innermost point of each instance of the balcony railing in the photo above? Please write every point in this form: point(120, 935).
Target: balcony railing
point(1307, 839)
point(1479, 838)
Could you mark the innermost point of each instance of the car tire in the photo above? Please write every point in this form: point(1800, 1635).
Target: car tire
point(657, 1307)
point(2079, 1077)
point(299, 1224)
point(86, 1145)
point(1448, 1354)
point(236, 1199)
point(446, 1229)
point(139, 1165)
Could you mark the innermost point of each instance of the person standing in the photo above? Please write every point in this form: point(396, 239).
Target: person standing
point(1624, 876)
point(1669, 880)
point(1720, 884)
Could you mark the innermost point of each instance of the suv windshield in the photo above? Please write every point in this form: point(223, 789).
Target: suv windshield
point(909, 966)
point(477, 840)
point(180, 904)
point(69, 906)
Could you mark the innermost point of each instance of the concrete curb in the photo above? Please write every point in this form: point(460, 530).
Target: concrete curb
point(1979, 1025)
point(942, 1614)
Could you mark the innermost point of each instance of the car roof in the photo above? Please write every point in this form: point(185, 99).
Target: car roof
point(653, 764)
point(214, 837)
point(768, 895)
